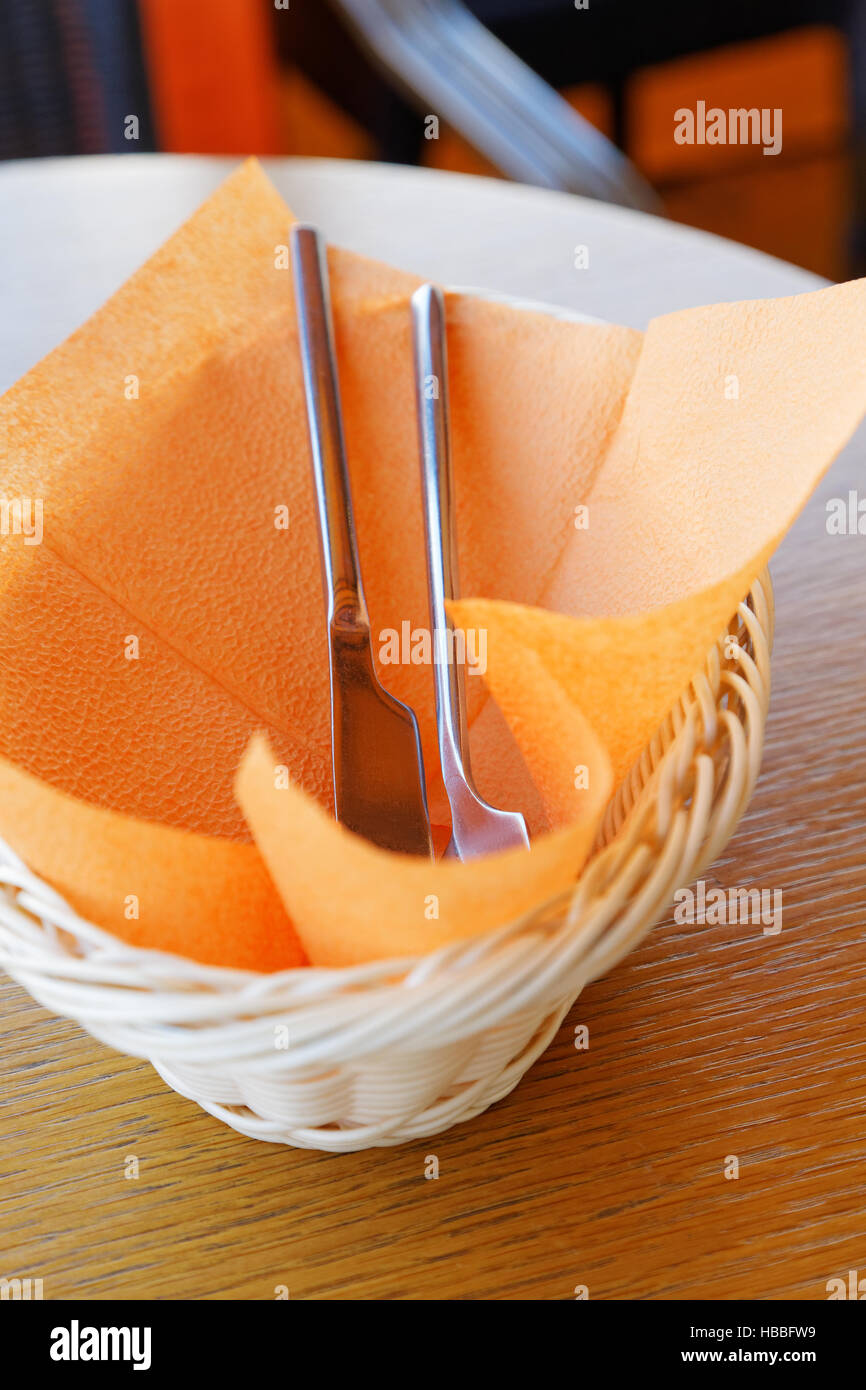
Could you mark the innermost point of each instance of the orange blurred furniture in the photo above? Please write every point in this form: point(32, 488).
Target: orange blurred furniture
point(216, 88)
point(236, 76)
point(796, 204)
point(213, 74)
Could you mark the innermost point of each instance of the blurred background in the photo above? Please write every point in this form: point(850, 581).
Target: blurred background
point(575, 94)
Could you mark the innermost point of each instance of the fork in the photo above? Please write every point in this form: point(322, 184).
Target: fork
point(378, 769)
point(476, 826)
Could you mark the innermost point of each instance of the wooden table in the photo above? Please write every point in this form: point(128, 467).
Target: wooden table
point(606, 1167)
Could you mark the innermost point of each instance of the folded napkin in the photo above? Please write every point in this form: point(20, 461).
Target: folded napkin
point(164, 707)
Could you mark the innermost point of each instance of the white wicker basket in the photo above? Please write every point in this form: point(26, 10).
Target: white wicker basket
point(394, 1050)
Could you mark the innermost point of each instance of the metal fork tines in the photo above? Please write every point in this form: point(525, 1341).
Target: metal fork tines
point(476, 827)
point(379, 788)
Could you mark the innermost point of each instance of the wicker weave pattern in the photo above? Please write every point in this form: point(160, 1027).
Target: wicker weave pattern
point(394, 1050)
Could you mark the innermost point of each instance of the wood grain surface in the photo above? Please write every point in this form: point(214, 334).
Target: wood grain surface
point(606, 1167)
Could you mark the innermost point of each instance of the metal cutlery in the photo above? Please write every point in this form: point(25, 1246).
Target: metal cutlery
point(378, 768)
point(476, 826)
point(379, 788)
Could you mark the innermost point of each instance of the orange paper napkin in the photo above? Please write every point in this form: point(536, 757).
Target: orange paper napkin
point(164, 712)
